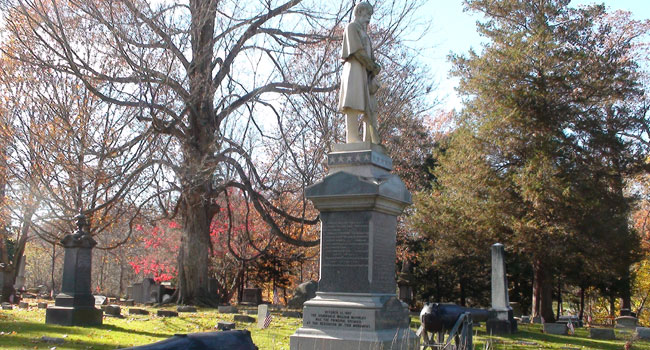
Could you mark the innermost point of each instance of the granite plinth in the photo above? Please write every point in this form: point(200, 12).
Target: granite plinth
point(73, 316)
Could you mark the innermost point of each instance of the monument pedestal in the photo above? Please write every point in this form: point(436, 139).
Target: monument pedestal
point(501, 322)
point(75, 305)
point(356, 306)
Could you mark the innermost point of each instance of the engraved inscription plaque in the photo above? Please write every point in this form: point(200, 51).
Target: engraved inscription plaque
point(338, 318)
point(345, 244)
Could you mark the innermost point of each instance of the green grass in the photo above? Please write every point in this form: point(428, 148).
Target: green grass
point(23, 329)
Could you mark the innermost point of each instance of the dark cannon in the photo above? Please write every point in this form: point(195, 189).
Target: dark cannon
point(456, 321)
point(226, 340)
point(442, 317)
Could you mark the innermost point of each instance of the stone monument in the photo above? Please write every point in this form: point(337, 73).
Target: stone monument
point(359, 200)
point(501, 320)
point(75, 305)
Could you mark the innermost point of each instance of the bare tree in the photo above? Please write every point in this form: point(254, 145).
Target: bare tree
point(206, 75)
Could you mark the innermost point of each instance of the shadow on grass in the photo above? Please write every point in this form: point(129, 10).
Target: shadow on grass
point(42, 328)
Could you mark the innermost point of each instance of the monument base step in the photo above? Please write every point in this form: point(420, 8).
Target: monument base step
point(387, 339)
point(357, 321)
point(69, 316)
point(497, 327)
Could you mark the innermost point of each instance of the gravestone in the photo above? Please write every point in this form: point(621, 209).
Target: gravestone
point(516, 309)
point(186, 308)
point(23, 305)
point(42, 305)
point(75, 305)
point(251, 296)
point(129, 293)
point(575, 320)
point(262, 312)
point(244, 318)
point(134, 311)
point(113, 310)
point(602, 333)
point(6, 285)
point(167, 313)
point(291, 314)
point(556, 328)
point(227, 309)
point(643, 333)
point(626, 322)
point(404, 282)
point(225, 326)
point(356, 306)
point(303, 292)
point(501, 320)
point(100, 300)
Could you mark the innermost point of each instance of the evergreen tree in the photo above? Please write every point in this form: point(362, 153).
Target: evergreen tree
point(540, 156)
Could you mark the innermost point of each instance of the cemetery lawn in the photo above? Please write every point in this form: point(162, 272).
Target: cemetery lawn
point(24, 329)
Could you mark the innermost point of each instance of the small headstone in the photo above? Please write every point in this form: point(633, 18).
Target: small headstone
point(602, 333)
point(556, 328)
point(100, 300)
point(134, 311)
point(251, 296)
point(643, 333)
point(166, 298)
point(537, 319)
point(225, 326)
point(52, 340)
point(129, 302)
point(262, 312)
point(525, 319)
point(244, 318)
point(7, 306)
point(227, 309)
point(23, 305)
point(626, 322)
point(186, 308)
point(516, 309)
point(251, 312)
point(42, 305)
point(112, 310)
point(293, 314)
point(167, 313)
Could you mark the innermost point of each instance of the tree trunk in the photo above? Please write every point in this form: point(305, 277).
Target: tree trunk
point(626, 295)
point(194, 253)
point(559, 299)
point(612, 305)
point(582, 303)
point(542, 293)
point(52, 267)
point(462, 293)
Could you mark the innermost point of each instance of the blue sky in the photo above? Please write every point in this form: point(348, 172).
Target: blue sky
point(455, 30)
